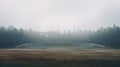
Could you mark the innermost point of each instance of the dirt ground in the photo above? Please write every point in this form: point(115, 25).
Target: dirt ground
point(46, 58)
point(36, 54)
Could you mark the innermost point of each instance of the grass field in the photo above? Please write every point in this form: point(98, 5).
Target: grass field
point(46, 58)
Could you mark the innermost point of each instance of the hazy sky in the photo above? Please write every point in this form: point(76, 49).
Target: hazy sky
point(59, 14)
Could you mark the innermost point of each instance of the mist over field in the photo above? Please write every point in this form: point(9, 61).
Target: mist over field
point(59, 33)
point(59, 23)
point(12, 37)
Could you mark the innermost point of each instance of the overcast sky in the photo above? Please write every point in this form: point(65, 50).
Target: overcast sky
point(59, 14)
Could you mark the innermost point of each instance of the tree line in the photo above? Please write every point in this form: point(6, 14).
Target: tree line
point(11, 37)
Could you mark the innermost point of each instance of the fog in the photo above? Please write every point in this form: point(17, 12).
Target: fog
point(12, 37)
point(59, 23)
point(60, 15)
point(73, 47)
